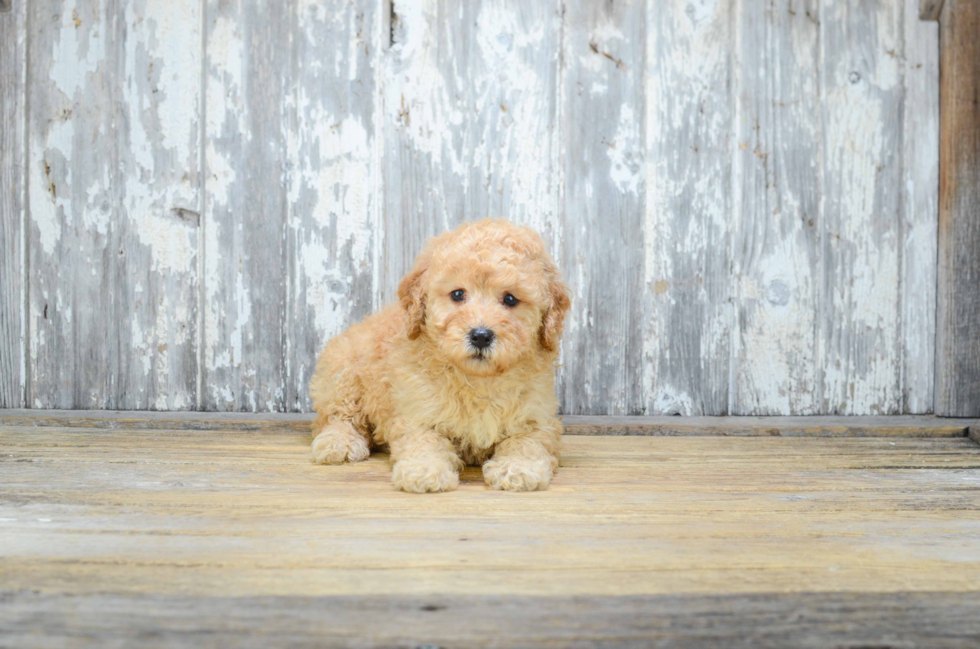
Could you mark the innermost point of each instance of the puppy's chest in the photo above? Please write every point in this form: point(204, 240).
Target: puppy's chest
point(477, 420)
point(475, 430)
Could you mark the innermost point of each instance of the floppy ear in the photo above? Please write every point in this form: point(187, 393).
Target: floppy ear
point(554, 318)
point(411, 295)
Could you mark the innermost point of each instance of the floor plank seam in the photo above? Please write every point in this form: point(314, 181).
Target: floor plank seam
point(911, 426)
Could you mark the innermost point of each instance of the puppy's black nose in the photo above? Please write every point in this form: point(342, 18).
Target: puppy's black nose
point(481, 338)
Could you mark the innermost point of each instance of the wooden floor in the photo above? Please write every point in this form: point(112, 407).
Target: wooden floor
point(122, 536)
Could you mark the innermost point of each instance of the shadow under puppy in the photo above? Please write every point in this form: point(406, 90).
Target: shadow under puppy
point(460, 371)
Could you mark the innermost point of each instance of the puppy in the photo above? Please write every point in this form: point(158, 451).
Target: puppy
point(460, 371)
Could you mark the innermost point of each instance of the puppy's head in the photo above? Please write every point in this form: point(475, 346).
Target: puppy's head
point(486, 296)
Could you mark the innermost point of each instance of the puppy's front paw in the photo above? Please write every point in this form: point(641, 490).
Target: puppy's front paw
point(419, 475)
point(517, 474)
point(339, 443)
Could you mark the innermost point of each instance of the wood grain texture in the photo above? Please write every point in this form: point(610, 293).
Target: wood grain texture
point(470, 121)
point(156, 231)
point(602, 118)
point(686, 285)
point(930, 9)
point(333, 169)
point(143, 420)
point(934, 619)
point(835, 426)
point(860, 341)
point(207, 514)
point(206, 209)
point(777, 199)
point(920, 207)
point(741, 426)
point(957, 333)
point(74, 203)
point(113, 188)
point(245, 215)
point(13, 275)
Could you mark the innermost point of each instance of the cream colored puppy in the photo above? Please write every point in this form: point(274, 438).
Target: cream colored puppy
point(460, 371)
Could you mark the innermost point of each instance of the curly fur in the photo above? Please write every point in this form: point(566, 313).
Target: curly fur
point(408, 378)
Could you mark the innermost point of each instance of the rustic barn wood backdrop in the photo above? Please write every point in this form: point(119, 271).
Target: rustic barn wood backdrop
point(742, 193)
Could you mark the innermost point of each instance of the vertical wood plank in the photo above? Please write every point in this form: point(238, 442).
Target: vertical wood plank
point(958, 315)
point(930, 9)
point(920, 210)
point(307, 228)
point(777, 208)
point(470, 121)
point(155, 244)
point(333, 233)
point(13, 77)
point(74, 203)
point(860, 334)
point(113, 176)
point(245, 215)
point(602, 117)
point(688, 207)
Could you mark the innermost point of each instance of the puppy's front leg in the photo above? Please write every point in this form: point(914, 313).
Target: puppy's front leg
point(423, 459)
point(338, 441)
point(525, 461)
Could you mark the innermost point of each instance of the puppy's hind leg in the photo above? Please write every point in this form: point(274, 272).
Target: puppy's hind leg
point(340, 431)
point(339, 441)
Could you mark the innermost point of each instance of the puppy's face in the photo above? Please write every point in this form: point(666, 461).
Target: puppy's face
point(484, 315)
point(490, 297)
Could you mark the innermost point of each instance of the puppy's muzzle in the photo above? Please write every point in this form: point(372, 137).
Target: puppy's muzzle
point(481, 338)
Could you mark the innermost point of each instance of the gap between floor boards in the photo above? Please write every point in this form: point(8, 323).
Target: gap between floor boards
point(812, 426)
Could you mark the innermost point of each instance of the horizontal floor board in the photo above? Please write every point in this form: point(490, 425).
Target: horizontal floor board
point(233, 537)
point(940, 619)
point(815, 426)
point(150, 511)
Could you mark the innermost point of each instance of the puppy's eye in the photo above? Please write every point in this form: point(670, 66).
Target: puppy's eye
point(458, 295)
point(510, 300)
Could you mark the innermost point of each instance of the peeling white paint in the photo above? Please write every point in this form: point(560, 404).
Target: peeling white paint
point(688, 199)
point(79, 50)
point(484, 130)
point(225, 120)
point(46, 210)
point(173, 245)
point(417, 71)
point(626, 153)
point(669, 402)
point(342, 181)
point(920, 156)
point(698, 11)
point(241, 320)
point(861, 367)
point(473, 121)
point(776, 353)
point(139, 345)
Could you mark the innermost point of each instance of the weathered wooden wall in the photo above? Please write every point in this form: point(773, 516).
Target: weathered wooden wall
point(13, 269)
point(958, 333)
point(742, 193)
